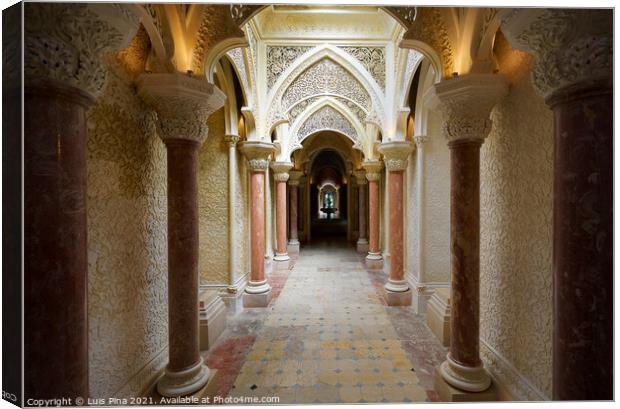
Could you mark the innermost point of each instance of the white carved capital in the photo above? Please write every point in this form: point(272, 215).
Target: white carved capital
point(360, 177)
point(420, 140)
point(232, 140)
point(295, 176)
point(183, 104)
point(373, 170)
point(395, 154)
point(67, 42)
point(257, 153)
point(466, 102)
point(280, 170)
point(573, 47)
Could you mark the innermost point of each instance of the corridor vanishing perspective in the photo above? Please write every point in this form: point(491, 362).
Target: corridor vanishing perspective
point(328, 337)
point(307, 203)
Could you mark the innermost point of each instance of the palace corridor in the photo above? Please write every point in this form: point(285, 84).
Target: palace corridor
point(327, 203)
point(327, 337)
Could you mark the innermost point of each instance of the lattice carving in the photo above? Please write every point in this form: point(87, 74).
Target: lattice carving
point(373, 59)
point(279, 58)
point(326, 77)
point(297, 109)
point(327, 118)
point(236, 56)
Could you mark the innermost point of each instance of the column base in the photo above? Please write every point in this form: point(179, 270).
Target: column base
point(183, 383)
point(293, 246)
point(465, 378)
point(281, 257)
point(260, 300)
point(396, 286)
point(374, 256)
point(362, 246)
point(398, 299)
point(257, 287)
point(448, 393)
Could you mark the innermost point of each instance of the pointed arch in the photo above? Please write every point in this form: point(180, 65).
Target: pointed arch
point(331, 109)
point(337, 56)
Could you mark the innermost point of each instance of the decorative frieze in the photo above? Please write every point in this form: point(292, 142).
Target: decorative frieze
point(67, 42)
point(183, 104)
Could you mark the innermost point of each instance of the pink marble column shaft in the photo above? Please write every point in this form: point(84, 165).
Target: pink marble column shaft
point(373, 216)
point(183, 253)
point(465, 251)
point(362, 211)
point(55, 251)
point(396, 218)
point(294, 208)
point(281, 217)
point(583, 244)
point(257, 225)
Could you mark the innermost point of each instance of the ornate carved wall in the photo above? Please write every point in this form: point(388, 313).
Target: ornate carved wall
point(213, 262)
point(436, 204)
point(127, 247)
point(516, 235)
point(242, 219)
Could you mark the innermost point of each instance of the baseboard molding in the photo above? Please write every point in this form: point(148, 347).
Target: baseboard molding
point(143, 381)
point(512, 385)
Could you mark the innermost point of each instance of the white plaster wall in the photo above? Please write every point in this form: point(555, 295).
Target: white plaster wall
point(436, 202)
point(516, 235)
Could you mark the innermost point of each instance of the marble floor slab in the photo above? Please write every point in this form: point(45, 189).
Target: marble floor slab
point(327, 337)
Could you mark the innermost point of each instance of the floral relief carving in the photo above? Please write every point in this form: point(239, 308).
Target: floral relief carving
point(236, 56)
point(279, 58)
point(516, 201)
point(326, 77)
point(429, 28)
point(216, 25)
point(127, 241)
point(327, 118)
point(373, 59)
point(68, 42)
point(571, 47)
point(297, 109)
point(213, 204)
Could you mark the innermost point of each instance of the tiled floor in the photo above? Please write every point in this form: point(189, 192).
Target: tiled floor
point(327, 337)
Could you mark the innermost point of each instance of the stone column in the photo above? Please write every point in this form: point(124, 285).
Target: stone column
point(257, 292)
point(362, 241)
point(573, 72)
point(373, 174)
point(466, 103)
point(183, 104)
point(280, 175)
point(295, 176)
point(395, 156)
point(64, 71)
point(232, 206)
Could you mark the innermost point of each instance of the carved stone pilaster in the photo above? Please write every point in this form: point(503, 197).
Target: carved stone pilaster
point(294, 177)
point(232, 140)
point(360, 177)
point(183, 104)
point(573, 48)
point(67, 42)
point(257, 153)
point(280, 171)
point(395, 154)
point(373, 170)
point(420, 140)
point(466, 103)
